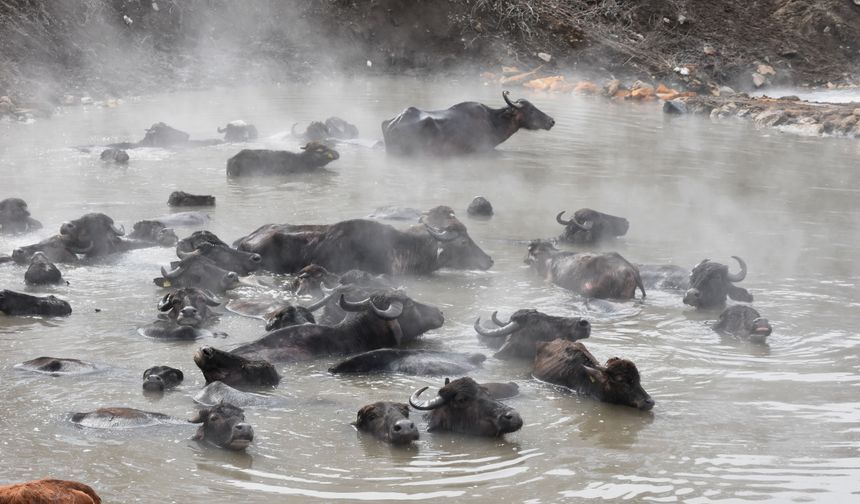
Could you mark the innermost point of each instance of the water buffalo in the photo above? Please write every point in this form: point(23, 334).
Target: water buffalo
point(54, 247)
point(161, 378)
point(314, 280)
point(207, 244)
point(711, 282)
point(743, 322)
point(570, 364)
point(287, 316)
point(16, 303)
point(366, 245)
point(96, 235)
point(42, 271)
point(183, 314)
point(154, 232)
point(334, 128)
point(217, 392)
point(664, 276)
point(238, 131)
point(180, 198)
point(235, 370)
point(464, 128)
point(518, 337)
point(382, 321)
point(249, 162)
point(15, 218)
point(57, 366)
point(592, 275)
point(223, 426)
point(194, 270)
point(121, 418)
point(113, 155)
point(410, 362)
point(162, 136)
point(466, 407)
point(591, 226)
point(48, 491)
point(480, 207)
point(388, 421)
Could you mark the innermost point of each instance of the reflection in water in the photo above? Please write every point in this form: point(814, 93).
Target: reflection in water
point(733, 421)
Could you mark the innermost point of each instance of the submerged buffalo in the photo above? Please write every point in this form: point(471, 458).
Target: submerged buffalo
point(711, 282)
point(154, 232)
point(122, 418)
point(664, 276)
point(466, 407)
point(19, 304)
point(54, 248)
point(570, 364)
point(161, 378)
point(287, 316)
point(182, 314)
point(15, 218)
point(464, 128)
point(480, 207)
point(42, 271)
point(208, 245)
point(96, 235)
point(181, 198)
point(518, 337)
point(743, 322)
point(382, 321)
point(410, 362)
point(591, 226)
point(366, 245)
point(224, 426)
point(238, 131)
point(604, 276)
point(314, 280)
point(164, 136)
point(334, 128)
point(388, 421)
point(57, 366)
point(249, 162)
point(194, 270)
point(217, 392)
point(112, 155)
point(235, 370)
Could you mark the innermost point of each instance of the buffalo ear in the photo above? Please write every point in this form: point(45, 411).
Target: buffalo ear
point(197, 418)
point(160, 281)
point(447, 381)
point(596, 374)
point(180, 375)
point(740, 294)
point(359, 418)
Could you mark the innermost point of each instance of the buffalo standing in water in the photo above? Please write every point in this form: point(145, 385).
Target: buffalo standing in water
point(711, 282)
point(604, 276)
point(590, 226)
point(743, 322)
point(518, 337)
point(570, 364)
point(466, 407)
point(464, 128)
point(388, 421)
point(334, 128)
point(250, 162)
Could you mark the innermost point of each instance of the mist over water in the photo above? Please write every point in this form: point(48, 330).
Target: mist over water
point(733, 421)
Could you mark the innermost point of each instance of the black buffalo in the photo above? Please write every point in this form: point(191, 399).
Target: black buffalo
point(42, 271)
point(161, 378)
point(366, 245)
point(154, 232)
point(182, 314)
point(208, 245)
point(743, 322)
point(314, 280)
point(383, 321)
point(15, 218)
point(464, 128)
point(113, 155)
point(388, 421)
point(121, 418)
point(334, 128)
point(57, 366)
point(224, 426)
point(54, 248)
point(591, 226)
point(287, 316)
point(250, 162)
point(411, 362)
point(466, 407)
point(480, 207)
point(96, 235)
point(164, 136)
point(711, 282)
point(570, 364)
point(181, 198)
point(16, 303)
point(235, 370)
point(518, 337)
point(194, 270)
point(592, 275)
point(238, 131)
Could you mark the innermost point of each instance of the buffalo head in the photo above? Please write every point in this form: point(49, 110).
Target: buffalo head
point(466, 407)
point(54, 248)
point(711, 282)
point(388, 421)
point(194, 270)
point(518, 337)
point(235, 370)
point(456, 248)
point(162, 135)
point(224, 426)
point(226, 257)
point(590, 226)
point(406, 318)
point(289, 315)
point(93, 234)
point(188, 306)
point(160, 378)
point(527, 115)
point(743, 322)
point(317, 154)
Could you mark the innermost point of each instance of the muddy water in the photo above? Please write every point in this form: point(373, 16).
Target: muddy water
point(733, 421)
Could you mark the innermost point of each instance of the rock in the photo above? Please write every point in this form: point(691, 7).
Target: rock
point(709, 51)
point(5, 108)
point(674, 107)
point(5, 99)
point(758, 79)
point(586, 87)
point(790, 98)
point(765, 70)
point(727, 110)
point(857, 111)
point(544, 56)
point(726, 91)
point(612, 87)
point(769, 118)
point(807, 127)
point(831, 85)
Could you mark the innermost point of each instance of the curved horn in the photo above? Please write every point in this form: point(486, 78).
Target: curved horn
point(498, 322)
point(351, 306)
point(210, 298)
point(572, 220)
point(185, 255)
point(172, 274)
point(118, 231)
point(498, 332)
point(325, 299)
point(81, 250)
point(508, 100)
point(444, 236)
point(221, 130)
point(740, 275)
point(396, 330)
point(395, 308)
point(425, 405)
point(165, 304)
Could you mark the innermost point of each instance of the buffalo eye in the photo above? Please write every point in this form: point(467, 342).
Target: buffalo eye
point(214, 418)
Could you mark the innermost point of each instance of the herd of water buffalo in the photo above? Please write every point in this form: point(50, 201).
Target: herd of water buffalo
point(350, 267)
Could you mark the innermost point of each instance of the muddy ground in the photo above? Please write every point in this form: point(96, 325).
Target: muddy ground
point(113, 48)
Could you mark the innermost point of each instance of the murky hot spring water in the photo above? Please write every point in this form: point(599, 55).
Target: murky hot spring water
point(733, 421)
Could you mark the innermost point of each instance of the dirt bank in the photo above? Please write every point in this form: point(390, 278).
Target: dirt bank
point(104, 48)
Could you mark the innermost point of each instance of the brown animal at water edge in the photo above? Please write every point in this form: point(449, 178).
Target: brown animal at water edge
point(48, 491)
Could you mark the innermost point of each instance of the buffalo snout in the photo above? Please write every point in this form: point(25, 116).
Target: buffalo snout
point(403, 432)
